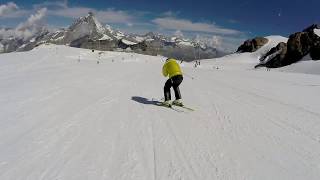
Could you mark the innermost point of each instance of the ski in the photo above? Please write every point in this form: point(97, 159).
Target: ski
point(158, 103)
point(169, 107)
point(185, 107)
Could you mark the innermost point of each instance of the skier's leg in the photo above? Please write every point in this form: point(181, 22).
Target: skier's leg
point(166, 89)
point(177, 92)
point(176, 83)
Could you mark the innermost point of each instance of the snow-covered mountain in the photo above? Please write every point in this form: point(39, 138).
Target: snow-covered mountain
point(64, 116)
point(250, 60)
point(10, 42)
point(88, 32)
point(299, 46)
point(88, 27)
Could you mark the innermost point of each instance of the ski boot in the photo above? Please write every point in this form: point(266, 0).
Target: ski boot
point(166, 104)
point(178, 102)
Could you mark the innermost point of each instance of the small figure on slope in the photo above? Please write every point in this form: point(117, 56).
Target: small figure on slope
point(172, 69)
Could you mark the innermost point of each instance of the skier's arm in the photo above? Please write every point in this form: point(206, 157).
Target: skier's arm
point(164, 71)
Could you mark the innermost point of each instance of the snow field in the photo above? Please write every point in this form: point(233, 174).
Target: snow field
point(63, 116)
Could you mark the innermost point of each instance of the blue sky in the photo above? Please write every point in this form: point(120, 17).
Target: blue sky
point(229, 21)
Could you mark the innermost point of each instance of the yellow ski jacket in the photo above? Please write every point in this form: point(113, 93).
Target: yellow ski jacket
point(171, 68)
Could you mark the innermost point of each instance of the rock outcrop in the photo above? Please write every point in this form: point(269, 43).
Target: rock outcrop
point(315, 47)
point(275, 57)
point(298, 46)
point(252, 45)
point(311, 28)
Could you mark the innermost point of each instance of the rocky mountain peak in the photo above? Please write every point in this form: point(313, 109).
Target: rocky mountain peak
point(311, 28)
point(88, 24)
point(88, 32)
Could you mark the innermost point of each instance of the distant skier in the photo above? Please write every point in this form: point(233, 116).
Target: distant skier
point(172, 69)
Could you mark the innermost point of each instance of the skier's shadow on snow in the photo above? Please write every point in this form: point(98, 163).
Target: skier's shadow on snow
point(143, 100)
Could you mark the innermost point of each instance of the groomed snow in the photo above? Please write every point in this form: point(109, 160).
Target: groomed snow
point(63, 116)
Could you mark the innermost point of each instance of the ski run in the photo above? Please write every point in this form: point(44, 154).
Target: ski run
point(74, 114)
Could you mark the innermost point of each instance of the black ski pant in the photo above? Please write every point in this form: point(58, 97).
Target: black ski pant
point(173, 82)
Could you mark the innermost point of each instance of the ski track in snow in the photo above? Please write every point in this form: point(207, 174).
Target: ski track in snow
point(67, 119)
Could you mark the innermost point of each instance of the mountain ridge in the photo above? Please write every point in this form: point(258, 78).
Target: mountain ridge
point(87, 32)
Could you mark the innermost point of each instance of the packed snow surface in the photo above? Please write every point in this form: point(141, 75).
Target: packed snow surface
point(64, 116)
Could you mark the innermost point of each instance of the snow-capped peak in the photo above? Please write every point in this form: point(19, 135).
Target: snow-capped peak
point(88, 23)
point(99, 26)
point(317, 32)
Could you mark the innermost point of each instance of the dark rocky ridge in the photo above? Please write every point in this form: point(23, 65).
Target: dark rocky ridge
point(252, 45)
point(299, 45)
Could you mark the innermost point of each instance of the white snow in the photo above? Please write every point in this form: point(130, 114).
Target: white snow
point(81, 30)
point(139, 39)
point(173, 39)
point(317, 32)
point(65, 118)
point(105, 37)
point(306, 65)
point(119, 35)
point(245, 61)
point(59, 38)
point(127, 42)
point(100, 28)
point(23, 46)
point(32, 40)
point(108, 27)
point(84, 26)
point(185, 43)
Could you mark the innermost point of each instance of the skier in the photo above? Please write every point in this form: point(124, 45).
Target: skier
point(172, 69)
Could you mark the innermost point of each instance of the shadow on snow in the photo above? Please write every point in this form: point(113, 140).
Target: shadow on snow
point(146, 101)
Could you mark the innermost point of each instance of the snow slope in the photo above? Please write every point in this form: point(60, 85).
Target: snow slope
point(64, 116)
point(247, 61)
point(306, 66)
